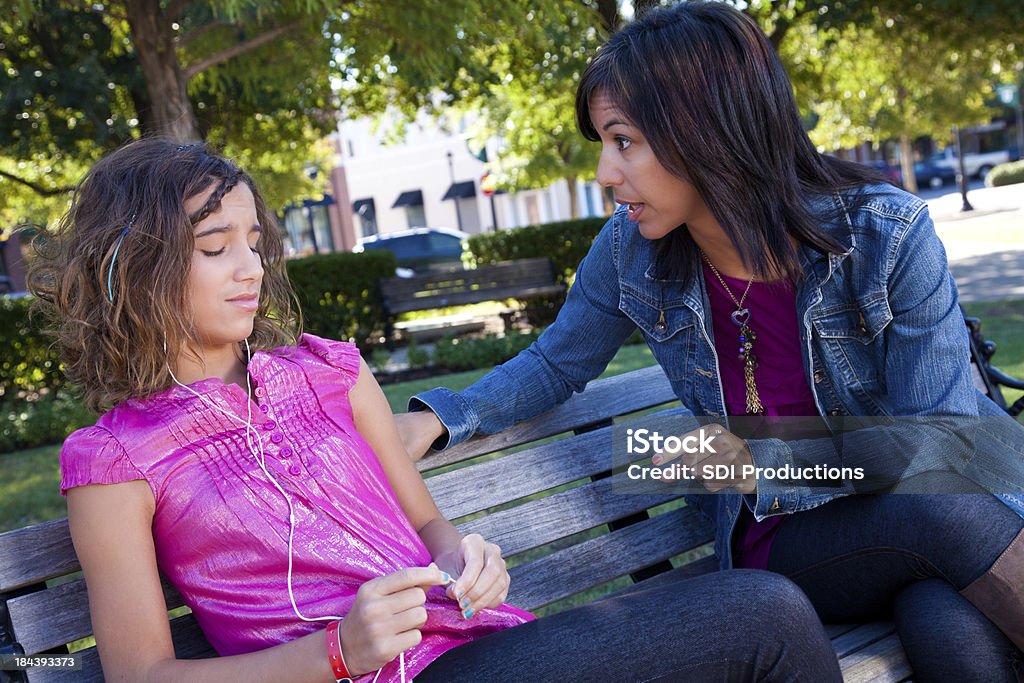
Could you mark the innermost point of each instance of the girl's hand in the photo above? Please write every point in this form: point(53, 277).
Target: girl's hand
point(386, 617)
point(730, 450)
point(483, 579)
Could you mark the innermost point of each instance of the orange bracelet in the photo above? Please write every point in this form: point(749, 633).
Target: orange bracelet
point(337, 659)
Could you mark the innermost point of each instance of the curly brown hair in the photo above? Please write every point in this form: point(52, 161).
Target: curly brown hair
point(114, 345)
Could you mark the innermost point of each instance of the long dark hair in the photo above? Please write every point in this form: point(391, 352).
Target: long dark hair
point(707, 90)
point(115, 344)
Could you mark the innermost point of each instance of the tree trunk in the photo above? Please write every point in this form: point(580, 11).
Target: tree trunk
point(642, 7)
point(907, 163)
point(171, 111)
point(608, 201)
point(574, 209)
point(609, 11)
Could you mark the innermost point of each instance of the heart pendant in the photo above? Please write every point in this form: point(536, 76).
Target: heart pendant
point(741, 317)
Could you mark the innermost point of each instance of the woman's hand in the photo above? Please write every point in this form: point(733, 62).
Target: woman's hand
point(418, 431)
point(483, 578)
point(730, 450)
point(386, 617)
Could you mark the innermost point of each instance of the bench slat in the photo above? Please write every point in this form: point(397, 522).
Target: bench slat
point(445, 299)
point(36, 553)
point(605, 558)
point(880, 662)
point(189, 643)
point(523, 279)
point(861, 637)
point(836, 630)
point(463, 281)
point(53, 617)
point(563, 514)
point(487, 484)
point(492, 272)
point(603, 399)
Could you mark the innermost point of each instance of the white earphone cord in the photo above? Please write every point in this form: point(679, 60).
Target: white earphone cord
point(260, 457)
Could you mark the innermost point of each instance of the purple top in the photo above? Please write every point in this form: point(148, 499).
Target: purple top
point(779, 376)
point(220, 526)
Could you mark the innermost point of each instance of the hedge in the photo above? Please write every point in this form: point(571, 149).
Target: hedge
point(1006, 174)
point(484, 352)
point(29, 363)
point(46, 420)
point(338, 293)
point(564, 242)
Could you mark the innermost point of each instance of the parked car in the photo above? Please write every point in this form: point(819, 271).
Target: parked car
point(420, 250)
point(930, 174)
point(888, 170)
point(974, 164)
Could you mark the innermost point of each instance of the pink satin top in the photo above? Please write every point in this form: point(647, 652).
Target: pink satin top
point(221, 527)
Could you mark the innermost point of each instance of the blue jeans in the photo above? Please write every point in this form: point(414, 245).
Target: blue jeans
point(740, 625)
point(906, 557)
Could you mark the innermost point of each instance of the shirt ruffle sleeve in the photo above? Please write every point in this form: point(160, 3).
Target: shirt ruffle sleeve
point(93, 456)
point(343, 356)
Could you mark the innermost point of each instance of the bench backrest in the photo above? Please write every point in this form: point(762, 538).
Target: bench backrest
point(524, 278)
point(546, 506)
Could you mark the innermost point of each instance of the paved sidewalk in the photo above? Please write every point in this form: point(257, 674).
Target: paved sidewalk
point(985, 247)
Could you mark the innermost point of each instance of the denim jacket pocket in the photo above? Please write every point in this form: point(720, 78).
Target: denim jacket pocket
point(668, 332)
point(851, 336)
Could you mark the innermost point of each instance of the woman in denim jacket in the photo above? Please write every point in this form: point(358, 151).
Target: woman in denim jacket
point(769, 280)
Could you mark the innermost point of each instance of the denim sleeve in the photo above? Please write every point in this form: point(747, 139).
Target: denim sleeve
point(573, 350)
point(928, 380)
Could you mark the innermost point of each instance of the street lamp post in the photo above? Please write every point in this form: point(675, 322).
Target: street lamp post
point(1010, 95)
point(961, 173)
point(451, 172)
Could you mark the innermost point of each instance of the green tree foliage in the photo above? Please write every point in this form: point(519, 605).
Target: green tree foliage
point(894, 69)
point(532, 108)
point(264, 81)
point(901, 76)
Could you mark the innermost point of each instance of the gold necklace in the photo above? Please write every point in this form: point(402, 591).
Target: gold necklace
point(741, 319)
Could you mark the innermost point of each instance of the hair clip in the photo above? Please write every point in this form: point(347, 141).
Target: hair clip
point(185, 146)
point(110, 271)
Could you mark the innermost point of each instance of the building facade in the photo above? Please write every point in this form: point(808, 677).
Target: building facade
point(428, 178)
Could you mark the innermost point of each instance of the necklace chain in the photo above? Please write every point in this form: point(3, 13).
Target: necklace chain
point(739, 304)
point(741, 318)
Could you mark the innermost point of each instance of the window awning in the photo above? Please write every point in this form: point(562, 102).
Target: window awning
point(362, 206)
point(410, 198)
point(460, 190)
point(328, 200)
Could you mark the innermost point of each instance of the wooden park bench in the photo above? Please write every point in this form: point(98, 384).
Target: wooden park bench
point(522, 279)
point(549, 505)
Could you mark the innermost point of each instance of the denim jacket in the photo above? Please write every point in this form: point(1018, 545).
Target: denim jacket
point(880, 326)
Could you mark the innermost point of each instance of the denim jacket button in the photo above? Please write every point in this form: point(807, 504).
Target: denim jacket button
point(835, 412)
point(660, 328)
point(819, 376)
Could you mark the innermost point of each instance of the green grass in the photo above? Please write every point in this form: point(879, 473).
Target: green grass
point(29, 491)
point(1003, 323)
